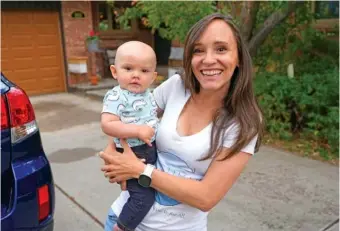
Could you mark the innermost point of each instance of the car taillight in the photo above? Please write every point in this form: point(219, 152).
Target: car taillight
point(43, 202)
point(4, 113)
point(22, 118)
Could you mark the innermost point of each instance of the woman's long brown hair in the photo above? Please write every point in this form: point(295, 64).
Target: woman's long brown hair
point(239, 104)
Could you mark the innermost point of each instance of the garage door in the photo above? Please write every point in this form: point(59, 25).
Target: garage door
point(31, 51)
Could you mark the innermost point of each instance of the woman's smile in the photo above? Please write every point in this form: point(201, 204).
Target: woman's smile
point(208, 73)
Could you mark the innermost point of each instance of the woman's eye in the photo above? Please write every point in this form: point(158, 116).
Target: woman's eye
point(196, 50)
point(221, 49)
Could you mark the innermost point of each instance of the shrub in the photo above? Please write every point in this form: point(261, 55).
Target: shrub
point(304, 106)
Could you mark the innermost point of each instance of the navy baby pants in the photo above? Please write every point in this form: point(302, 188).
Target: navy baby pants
point(141, 198)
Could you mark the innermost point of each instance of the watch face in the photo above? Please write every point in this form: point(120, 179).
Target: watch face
point(144, 180)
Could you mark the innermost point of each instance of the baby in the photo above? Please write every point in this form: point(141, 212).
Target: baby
point(130, 112)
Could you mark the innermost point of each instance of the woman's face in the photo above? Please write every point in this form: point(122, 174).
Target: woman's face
point(215, 57)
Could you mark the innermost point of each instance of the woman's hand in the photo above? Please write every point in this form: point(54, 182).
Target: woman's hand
point(111, 150)
point(122, 167)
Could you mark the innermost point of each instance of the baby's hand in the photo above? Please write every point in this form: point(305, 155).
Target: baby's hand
point(145, 133)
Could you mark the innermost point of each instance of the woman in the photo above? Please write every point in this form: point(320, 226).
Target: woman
point(210, 128)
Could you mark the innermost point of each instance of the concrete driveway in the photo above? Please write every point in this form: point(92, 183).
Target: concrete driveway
point(277, 190)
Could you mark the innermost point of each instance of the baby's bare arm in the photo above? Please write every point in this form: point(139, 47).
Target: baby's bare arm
point(112, 126)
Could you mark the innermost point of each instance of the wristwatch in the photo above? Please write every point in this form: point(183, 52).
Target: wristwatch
point(144, 179)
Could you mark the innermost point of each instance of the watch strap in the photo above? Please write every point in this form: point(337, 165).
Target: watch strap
point(148, 170)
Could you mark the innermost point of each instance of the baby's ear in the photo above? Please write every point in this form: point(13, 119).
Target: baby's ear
point(113, 71)
point(155, 75)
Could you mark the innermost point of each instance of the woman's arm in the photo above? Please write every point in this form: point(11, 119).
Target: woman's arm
point(204, 194)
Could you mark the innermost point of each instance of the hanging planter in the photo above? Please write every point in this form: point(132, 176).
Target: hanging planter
point(93, 46)
point(92, 41)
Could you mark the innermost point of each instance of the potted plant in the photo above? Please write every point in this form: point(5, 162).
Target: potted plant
point(92, 41)
point(94, 79)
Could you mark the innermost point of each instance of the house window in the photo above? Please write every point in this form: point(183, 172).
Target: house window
point(326, 9)
point(109, 13)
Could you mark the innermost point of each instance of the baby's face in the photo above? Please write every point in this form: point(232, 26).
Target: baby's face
point(135, 70)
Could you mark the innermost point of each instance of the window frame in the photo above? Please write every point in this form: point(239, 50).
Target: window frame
point(112, 33)
point(328, 24)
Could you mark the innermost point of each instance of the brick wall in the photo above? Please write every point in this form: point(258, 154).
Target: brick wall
point(76, 29)
point(75, 32)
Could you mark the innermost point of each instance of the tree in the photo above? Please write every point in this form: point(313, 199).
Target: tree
point(173, 19)
point(256, 37)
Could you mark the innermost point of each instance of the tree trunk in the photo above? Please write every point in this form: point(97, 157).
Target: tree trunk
point(248, 18)
point(273, 20)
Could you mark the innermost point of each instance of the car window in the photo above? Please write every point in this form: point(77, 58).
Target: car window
point(4, 88)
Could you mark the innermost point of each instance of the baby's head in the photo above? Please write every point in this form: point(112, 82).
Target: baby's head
point(135, 66)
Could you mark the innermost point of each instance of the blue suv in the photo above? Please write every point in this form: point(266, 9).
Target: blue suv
point(27, 188)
